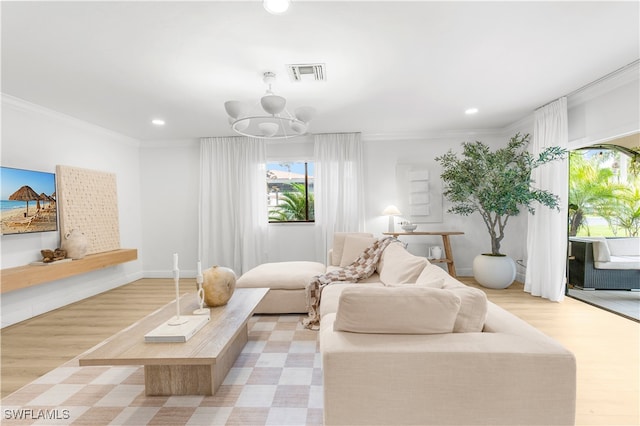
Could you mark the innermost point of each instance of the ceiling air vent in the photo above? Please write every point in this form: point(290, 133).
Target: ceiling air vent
point(307, 72)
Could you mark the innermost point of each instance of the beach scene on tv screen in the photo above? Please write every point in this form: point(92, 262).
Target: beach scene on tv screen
point(28, 201)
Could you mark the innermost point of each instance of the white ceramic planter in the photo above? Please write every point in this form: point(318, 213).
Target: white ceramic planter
point(494, 271)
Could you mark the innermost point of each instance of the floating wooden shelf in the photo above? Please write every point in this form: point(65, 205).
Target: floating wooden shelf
point(30, 275)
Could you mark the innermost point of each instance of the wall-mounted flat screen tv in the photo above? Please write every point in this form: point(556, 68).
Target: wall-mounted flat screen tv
point(28, 201)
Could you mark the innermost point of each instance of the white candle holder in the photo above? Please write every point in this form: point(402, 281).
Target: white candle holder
point(200, 295)
point(177, 320)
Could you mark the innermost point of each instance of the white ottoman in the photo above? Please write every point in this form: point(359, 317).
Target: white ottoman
point(287, 282)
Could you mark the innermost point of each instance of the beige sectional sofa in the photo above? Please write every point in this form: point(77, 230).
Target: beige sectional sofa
point(386, 364)
point(411, 345)
point(287, 280)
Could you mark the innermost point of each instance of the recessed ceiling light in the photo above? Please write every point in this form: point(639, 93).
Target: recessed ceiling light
point(471, 111)
point(158, 122)
point(276, 7)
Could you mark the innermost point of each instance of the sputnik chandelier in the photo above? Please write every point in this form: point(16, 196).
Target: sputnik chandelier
point(269, 118)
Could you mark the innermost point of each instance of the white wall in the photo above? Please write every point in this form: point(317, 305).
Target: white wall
point(39, 139)
point(170, 176)
point(292, 241)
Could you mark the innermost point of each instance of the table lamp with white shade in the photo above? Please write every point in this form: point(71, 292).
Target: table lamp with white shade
point(391, 211)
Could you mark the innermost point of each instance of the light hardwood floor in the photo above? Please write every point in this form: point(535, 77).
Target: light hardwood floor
point(33, 347)
point(607, 346)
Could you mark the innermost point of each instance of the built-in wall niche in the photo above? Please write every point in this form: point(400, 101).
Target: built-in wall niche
point(88, 202)
point(419, 192)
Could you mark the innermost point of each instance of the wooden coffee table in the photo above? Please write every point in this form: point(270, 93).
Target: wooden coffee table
point(195, 367)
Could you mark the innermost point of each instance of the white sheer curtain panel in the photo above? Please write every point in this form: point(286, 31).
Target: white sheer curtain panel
point(547, 229)
point(338, 187)
point(232, 205)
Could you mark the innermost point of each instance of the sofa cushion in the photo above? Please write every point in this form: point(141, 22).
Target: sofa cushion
point(620, 263)
point(616, 253)
point(624, 246)
point(281, 275)
point(338, 245)
point(601, 251)
point(473, 308)
point(398, 266)
point(354, 246)
point(396, 310)
point(330, 295)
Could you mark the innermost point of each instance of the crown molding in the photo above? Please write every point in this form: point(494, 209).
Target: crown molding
point(170, 143)
point(446, 134)
point(516, 126)
point(19, 104)
point(621, 77)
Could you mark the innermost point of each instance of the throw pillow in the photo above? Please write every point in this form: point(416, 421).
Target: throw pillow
point(353, 247)
point(338, 244)
point(396, 310)
point(473, 308)
point(601, 252)
point(398, 266)
point(626, 246)
point(432, 276)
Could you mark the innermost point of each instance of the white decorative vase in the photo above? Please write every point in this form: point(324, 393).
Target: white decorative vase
point(494, 271)
point(75, 243)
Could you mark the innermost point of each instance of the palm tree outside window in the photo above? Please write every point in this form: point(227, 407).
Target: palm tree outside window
point(290, 194)
point(604, 192)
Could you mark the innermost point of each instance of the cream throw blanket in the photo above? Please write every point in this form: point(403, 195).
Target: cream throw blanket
point(361, 268)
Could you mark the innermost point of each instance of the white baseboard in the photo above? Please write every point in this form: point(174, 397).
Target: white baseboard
point(23, 304)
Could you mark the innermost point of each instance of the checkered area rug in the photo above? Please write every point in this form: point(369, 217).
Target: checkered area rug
point(276, 380)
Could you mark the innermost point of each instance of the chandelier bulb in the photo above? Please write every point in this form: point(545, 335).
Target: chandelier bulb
point(234, 108)
point(273, 104)
point(305, 113)
point(269, 129)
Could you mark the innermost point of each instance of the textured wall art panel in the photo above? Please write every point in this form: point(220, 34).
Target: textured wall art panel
point(88, 201)
point(419, 192)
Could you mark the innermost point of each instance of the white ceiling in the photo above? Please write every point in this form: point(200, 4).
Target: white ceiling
point(393, 68)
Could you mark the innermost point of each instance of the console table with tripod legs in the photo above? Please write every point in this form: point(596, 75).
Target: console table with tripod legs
point(448, 254)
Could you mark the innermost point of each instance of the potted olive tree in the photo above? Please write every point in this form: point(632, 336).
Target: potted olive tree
point(496, 184)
